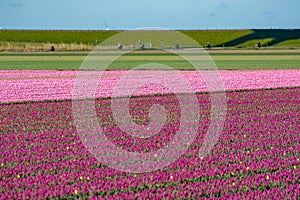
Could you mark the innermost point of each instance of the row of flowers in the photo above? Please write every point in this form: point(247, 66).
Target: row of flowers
point(22, 85)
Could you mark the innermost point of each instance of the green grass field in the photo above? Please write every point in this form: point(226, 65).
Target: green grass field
point(223, 60)
point(26, 40)
point(68, 37)
point(271, 38)
point(68, 41)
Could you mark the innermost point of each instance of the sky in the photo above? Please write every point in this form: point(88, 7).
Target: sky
point(133, 14)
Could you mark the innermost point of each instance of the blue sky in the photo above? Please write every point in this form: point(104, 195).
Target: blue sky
point(131, 14)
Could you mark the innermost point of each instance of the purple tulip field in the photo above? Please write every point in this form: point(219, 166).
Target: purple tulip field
point(256, 157)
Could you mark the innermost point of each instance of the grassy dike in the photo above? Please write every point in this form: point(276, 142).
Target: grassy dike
point(63, 40)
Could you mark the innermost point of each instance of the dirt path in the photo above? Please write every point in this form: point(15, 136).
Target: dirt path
point(254, 51)
point(182, 51)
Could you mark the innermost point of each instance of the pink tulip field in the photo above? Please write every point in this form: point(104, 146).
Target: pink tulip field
point(25, 85)
point(256, 156)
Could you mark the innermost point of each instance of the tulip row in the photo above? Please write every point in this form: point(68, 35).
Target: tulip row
point(22, 85)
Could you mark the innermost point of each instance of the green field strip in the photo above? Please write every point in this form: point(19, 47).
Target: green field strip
point(284, 38)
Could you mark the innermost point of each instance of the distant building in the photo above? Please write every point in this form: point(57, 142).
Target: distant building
point(208, 46)
point(52, 48)
point(120, 46)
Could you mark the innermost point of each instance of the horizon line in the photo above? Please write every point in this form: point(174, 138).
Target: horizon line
point(141, 29)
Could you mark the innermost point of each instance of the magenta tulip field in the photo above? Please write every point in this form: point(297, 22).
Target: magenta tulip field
point(256, 156)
